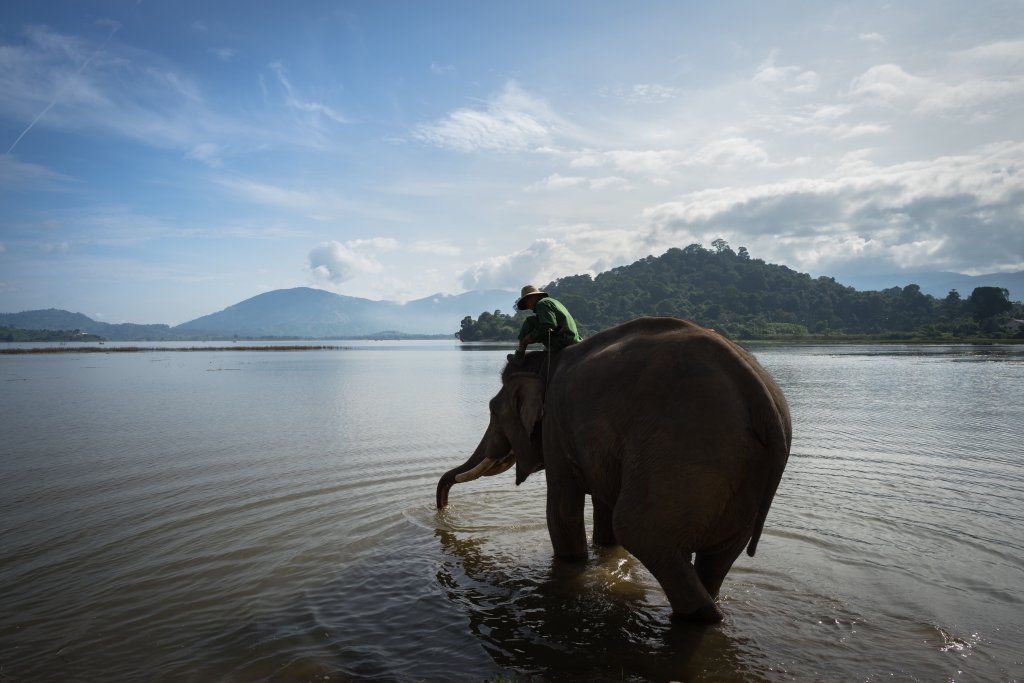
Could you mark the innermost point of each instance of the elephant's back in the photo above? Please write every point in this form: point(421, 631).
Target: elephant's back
point(657, 362)
point(657, 381)
point(669, 351)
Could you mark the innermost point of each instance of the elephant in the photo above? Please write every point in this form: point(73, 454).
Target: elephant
point(677, 434)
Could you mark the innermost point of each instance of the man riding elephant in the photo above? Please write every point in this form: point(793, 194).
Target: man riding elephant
point(553, 326)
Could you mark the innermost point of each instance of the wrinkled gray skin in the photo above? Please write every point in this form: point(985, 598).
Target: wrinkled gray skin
point(679, 436)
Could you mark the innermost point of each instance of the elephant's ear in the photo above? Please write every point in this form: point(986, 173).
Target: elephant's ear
point(525, 391)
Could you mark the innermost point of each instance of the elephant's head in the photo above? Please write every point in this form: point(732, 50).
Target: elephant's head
point(510, 438)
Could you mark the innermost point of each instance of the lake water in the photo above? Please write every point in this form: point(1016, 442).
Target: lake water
point(268, 516)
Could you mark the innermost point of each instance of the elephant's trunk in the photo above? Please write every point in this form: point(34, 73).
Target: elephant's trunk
point(488, 467)
point(460, 474)
point(489, 457)
point(444, 486)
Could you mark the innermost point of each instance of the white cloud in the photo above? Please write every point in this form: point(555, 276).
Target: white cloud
point(538, 263)
point(1009, 53)
point(767, 72)
point(889, 84)
point(729, 152)
point(831, 111)
point(558, 182)
point(806, 81)
point(314, 108)
point(612, 182)
point(206, 152)
point(860, 129)
point(512, 120)
point(650, 161)
point(646, 93)
point(555, 182)
point(588, 158)
point(262, 193)
point(580, 249)
point(441, 70)
point(439, 248)
point(224, 54)
point(317, 205)
point(792, 77)
point(54, 247)
point(338, 263)
point(872, 37)
point(3, 247)
point(127, 91)
point(20, 173)
point(726, 152)
point(950, 212)
point(653, 92)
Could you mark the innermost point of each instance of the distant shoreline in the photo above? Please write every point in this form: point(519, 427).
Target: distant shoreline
point(140, 349)
point(932, 341)
point(40, 350)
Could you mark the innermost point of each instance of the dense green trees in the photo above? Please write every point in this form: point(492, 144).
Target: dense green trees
point(987, 302)
point(495, 326)
point(14, 334)
point(748, 298)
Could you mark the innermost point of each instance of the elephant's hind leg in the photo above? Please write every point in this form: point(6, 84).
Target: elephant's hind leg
point(669, 565)
point(712, 567)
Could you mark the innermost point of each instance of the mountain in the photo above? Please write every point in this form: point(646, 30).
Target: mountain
point(56, 319)
point(299, 312)
point(749, 298)
point(306, 312)
point(724, 289)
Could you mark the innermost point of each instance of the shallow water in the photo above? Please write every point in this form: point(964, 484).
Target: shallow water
point(266, 516)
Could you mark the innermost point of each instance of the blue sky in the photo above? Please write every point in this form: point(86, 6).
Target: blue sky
point(180, 157)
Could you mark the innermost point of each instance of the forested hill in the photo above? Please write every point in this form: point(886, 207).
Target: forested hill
point(748, 298)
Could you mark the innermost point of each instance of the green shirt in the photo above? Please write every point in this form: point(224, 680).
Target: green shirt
point(551, 315)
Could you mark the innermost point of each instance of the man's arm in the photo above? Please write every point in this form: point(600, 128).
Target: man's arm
point(547, 320)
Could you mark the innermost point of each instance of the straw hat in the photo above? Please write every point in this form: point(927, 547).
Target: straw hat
point(528, 290)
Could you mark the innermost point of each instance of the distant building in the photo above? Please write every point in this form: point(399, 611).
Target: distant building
point(1013, 324)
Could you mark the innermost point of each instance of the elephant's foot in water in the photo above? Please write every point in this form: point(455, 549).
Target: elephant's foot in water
point(671, 567)
point(604, 531)
point(689, 599)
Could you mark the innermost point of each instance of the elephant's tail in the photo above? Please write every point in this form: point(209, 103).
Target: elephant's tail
point(773, 436)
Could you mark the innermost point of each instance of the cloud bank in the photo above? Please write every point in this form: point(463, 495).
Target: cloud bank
point(512, 120)
point(950, 213)
point(337, 263)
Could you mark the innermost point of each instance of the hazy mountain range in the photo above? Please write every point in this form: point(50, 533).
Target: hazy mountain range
point(315, 313)
point(938, 284)
point(299, 312)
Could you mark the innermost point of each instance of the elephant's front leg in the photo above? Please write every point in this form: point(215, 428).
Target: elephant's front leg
point(565, 520)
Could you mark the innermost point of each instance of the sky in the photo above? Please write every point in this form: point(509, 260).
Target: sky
point(164, 160)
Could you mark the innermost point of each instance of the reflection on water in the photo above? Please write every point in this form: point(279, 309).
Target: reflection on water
point(274, 521)
point(566, 621)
